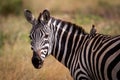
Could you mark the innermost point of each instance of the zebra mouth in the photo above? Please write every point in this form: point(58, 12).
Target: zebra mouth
point(37, 62)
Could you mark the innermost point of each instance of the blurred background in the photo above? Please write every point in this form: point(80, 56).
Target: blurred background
point(15, 52)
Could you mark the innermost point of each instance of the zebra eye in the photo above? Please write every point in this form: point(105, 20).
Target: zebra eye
point(30, 37)
point(46, 35)
point(31, 48)
point(31, 42)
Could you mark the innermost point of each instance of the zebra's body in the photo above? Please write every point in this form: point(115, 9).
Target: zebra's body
point(96, 58)
point(79, 53)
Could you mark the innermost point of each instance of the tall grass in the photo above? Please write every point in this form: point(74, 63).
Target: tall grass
point(15, 52)
point(107, 10)
point(10, 7)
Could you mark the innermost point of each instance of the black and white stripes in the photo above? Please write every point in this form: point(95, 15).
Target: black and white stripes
point(96, 58)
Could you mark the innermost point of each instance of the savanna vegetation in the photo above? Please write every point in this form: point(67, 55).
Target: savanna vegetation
point(15, 52)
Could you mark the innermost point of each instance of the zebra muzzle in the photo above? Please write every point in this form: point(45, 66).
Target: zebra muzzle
point(37, 62)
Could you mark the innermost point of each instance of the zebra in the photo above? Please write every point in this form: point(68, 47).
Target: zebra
point(96, 58)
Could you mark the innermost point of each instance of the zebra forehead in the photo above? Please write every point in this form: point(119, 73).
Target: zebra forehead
point(39, 25)
point(38, 31)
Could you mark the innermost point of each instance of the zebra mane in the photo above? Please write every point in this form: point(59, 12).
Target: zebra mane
point(75, 27)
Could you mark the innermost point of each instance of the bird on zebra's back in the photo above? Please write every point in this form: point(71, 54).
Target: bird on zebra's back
point(92, 31)
point(87, 59)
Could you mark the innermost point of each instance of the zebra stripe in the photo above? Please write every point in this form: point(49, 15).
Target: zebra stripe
point(86, 58)
point(96, 58)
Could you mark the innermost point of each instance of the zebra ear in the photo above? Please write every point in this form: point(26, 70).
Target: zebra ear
point(45, 16)
point(28, 15)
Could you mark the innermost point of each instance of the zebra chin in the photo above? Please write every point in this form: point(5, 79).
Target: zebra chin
point(37, 62)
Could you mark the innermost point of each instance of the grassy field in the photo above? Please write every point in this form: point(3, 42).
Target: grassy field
point(15, 52)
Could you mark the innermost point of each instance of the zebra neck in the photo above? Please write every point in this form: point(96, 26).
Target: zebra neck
point(66, 39)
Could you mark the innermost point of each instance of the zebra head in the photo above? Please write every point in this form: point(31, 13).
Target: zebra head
point(41, 36)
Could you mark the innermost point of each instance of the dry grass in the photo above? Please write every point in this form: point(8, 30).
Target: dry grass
point(15, 55)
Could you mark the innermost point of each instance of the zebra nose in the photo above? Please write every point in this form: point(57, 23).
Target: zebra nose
point(37, 62)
